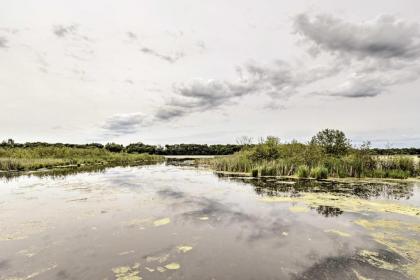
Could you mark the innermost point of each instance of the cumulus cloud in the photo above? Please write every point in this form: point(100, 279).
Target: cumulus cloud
point(378, 54)
point(121, 124)
point(385, 37)
point(169, 58)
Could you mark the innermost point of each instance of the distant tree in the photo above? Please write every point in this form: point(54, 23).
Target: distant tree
point(115, 148)
point(334, 142)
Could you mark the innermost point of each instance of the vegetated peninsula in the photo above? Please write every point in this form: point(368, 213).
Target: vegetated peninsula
point(328, 154)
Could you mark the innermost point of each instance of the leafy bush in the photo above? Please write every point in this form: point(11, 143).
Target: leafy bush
point(114, 148)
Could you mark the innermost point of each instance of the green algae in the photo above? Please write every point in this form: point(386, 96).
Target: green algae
point(184, 248)
point(127, 272)
point(161, 222)
point(338, 232)
point(161, 259)
point(172, 266)
point(33, 275)
point(347, 203)
point(402, 238)
point(373, 259)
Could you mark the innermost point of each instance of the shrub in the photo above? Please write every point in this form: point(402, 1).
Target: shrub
point(302, 171)
point(115, 148)
point(319, 172)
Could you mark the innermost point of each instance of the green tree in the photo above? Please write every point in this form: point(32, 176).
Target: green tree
point(115, 148)
point(333, 141)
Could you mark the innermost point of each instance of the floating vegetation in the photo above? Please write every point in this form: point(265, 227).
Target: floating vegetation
point(126, 253)
point(172, 266)
point(35, 274)
point(160, 269)
point(127, 272)
point(374, 259)
point(298, 209)
point(338, 232)
point(346, 203)
point(22, 231)
point(161, 222)
point(402, 238)
point(184, 248)
point(160, 259)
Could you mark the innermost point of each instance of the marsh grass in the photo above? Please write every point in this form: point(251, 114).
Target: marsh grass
point(22, 159)
point(303, 171)
point(307, 160)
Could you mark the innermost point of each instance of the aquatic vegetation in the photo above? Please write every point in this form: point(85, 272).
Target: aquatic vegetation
point(127, 272)
point(161, 259)
point(319, 159)
point(338, 232)
point(172, 266)
point(302, 171)
point(184, 248)
point(33, 158)
point(319, 173)
point(21, 231)
point(34, 274)
point(402, 238)
point(373, 259)
point(161, 222)
point(347, 203)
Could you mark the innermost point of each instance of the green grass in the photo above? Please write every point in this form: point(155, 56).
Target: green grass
point(23, 159)
point(319, 173)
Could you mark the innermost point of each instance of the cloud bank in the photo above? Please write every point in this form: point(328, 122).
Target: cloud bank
point(371, 56)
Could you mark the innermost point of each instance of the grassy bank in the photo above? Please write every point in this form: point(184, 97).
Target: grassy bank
point(33, 158)
point(273, 158)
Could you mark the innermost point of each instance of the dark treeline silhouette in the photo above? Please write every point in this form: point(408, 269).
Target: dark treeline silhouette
point(396, 151)
point(139, 148)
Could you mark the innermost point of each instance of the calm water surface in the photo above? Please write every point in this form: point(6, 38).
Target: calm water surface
point(175, 222)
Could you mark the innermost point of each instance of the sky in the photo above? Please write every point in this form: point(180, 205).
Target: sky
point(187, 71)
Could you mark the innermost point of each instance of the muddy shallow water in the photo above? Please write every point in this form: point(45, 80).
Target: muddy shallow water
point(175, 222)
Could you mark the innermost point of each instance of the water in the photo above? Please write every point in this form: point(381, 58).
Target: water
point(177, 222)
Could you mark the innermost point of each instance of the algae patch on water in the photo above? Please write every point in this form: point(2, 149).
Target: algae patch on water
point(172, 266)
point(347, 203)
point(402, 238)
point(161, 222)
point(184, 248)
point(127, 272)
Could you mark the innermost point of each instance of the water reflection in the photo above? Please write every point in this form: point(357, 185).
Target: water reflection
point(361, 189)
point(172, 222)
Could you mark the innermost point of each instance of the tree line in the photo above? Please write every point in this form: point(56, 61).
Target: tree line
point(138, 148)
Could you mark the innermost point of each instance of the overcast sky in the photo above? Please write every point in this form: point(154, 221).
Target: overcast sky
point(193, 71)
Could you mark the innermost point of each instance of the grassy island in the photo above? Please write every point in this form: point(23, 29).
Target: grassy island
point(328, 154)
